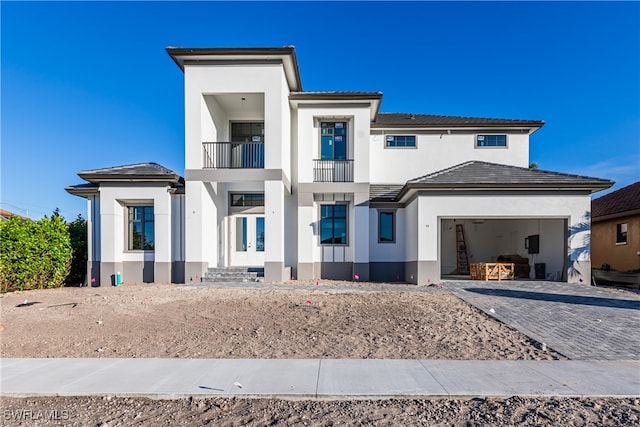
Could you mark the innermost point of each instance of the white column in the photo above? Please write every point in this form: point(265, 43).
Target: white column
point(274, 230)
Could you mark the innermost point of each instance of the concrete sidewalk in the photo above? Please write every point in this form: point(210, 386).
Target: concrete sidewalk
point(317, 378)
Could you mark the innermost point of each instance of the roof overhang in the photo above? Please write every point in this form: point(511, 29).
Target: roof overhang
point(410, 189)
point(615, 215)
point(100, 178)
point(337, 99)
point(204, 56)
point(530, 128)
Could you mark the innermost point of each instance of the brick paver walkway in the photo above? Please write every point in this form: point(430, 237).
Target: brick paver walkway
point(577, 320)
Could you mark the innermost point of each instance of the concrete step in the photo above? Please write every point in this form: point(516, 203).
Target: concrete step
point(233, 274)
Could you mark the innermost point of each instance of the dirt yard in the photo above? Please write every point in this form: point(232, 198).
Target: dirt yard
point(199, 322)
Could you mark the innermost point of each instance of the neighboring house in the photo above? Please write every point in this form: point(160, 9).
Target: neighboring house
point(5, 215)
point(323, 185)
point(615, 229)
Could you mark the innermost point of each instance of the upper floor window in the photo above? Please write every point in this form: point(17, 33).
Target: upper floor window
point(400, 141)
point(621, 233)
point(141, 228)
point(491, 140)
point(333, 140)
point(333, 224)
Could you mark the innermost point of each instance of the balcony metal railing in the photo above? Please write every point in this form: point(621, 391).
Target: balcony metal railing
point(233, 155)
point(332, 170)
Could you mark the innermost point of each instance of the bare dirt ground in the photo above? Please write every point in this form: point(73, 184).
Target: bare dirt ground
point(200, 322)
point(108, 411)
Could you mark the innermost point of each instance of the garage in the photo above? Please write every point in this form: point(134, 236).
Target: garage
point(536, 246)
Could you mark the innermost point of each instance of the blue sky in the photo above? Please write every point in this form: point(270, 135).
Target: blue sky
point(88, 85)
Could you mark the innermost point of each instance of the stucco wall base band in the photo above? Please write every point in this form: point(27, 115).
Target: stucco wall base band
point(387, 271)
point(275, 272)
point(177, 272)
point(194, 271)
point(305, 271)
point(162, 272)
point(108, 271)
point(93, 273)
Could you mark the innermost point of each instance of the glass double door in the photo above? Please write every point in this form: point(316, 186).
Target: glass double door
point(247, 240)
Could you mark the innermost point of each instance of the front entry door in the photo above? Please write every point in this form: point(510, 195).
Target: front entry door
point(247, 240)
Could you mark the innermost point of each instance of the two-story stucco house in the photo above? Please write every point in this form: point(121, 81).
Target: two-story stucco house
point(324, 185)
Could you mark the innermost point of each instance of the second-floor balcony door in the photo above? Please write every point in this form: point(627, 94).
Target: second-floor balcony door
point(333, 141)
point(250, 152)
point(333, 164)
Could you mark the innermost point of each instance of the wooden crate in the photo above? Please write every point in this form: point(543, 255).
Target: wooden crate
point(492, 271)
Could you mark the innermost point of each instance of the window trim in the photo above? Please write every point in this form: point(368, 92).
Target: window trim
point(128, 237)
point(393, 226)
point(506, 141)
point(619, 233)
point(414, 146)
point(346, 223)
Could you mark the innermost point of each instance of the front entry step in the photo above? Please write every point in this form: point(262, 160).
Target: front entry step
point(233, 275)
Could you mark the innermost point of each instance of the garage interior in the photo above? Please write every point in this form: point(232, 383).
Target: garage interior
point(538, 246)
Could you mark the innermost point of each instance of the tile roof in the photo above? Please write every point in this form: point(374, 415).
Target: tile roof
point(412, 120)
point(626, 199)
point(482, 174)
point(5, 214)
point(384, 192)
point(139, 171)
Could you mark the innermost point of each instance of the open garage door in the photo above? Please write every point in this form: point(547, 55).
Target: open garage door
point(538, 246)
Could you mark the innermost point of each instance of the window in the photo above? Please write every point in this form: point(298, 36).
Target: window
point(141, 232)
point(621, 233)
point(491, 141)
point(247, 200)
point(333, 224)
point(386, 227)
point(333, 140)
point(400, 141)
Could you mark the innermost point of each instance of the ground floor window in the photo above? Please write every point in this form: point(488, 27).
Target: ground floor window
point(333, 224)
point(141, 228)
point(386, 227)
point(621, 233)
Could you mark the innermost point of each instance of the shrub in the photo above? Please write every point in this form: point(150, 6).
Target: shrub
point(34, 255)
point(78, 236)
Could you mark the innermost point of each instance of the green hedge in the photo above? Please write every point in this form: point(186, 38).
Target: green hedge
point(34, 254)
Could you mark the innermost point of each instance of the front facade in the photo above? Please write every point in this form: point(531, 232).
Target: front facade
point(323, 185)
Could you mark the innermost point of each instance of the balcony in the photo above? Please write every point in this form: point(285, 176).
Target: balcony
point(233, 155)
point(332, 170)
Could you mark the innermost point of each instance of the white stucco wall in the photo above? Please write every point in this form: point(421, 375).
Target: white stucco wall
point(388, 252)
point(113, 212)
point(206, 119)
point(201, 218)
point(574, 208)
point(439, 151)
point(308, 138)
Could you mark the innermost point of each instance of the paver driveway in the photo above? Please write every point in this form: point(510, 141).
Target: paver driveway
point(576, 320)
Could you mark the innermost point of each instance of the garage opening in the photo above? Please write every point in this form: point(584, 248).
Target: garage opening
point(537, 246)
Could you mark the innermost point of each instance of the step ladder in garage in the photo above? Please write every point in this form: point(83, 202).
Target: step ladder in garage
point(462, 259)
